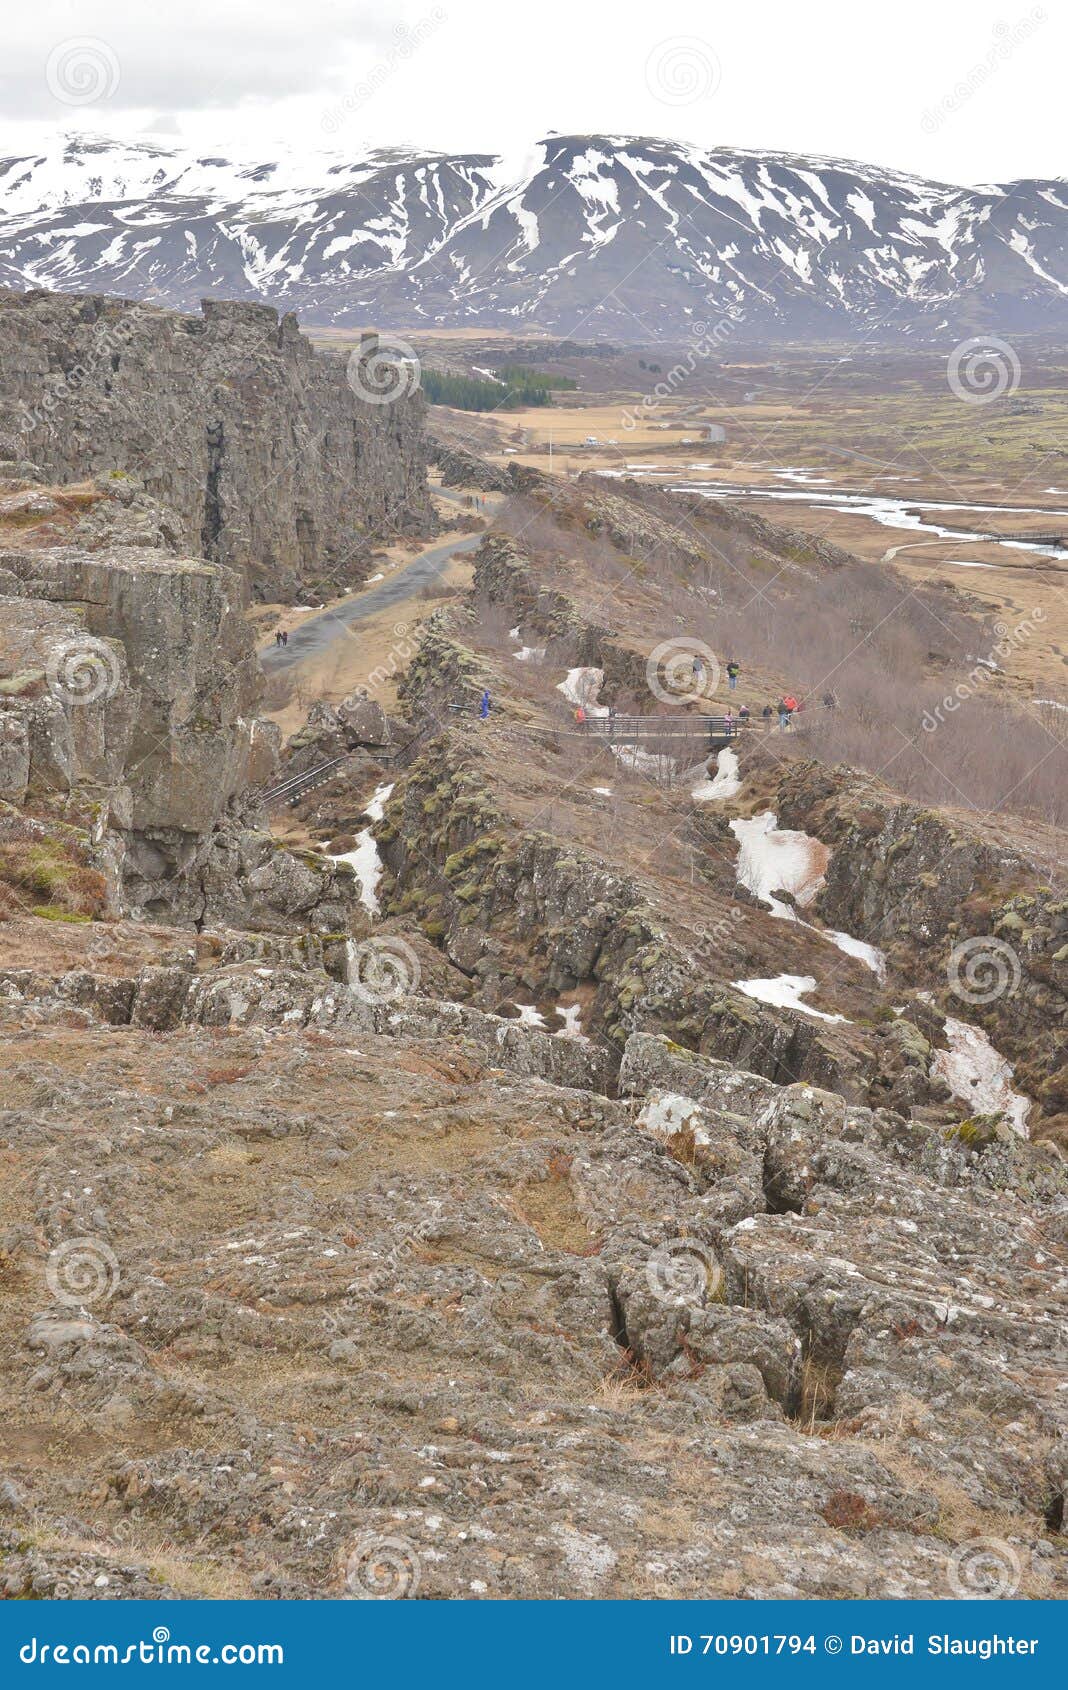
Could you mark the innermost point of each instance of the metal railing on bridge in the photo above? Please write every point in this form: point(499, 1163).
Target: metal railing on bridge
point(622, 728)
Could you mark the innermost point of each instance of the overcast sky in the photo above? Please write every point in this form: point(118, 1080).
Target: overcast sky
point(960, 90)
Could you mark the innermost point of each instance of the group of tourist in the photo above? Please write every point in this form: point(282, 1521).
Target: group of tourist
point(787, 706)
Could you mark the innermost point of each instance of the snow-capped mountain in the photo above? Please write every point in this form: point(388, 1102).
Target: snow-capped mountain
point(635, 239)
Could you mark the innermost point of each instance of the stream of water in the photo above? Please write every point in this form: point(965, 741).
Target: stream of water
point(883, 508)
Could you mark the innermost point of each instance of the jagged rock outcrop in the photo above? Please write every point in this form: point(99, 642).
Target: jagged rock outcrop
point(270, 461)
point(505, 578)
point(302, 982)
point(520, 912)
point(823, 1340)
point(789, 548)
point(132, 687)
point(962, 913)
point(460, 468)
point(162, 641)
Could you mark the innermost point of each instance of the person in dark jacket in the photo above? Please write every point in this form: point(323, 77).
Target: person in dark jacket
point(784, 714)
point(767, 713)
point(484, 706)
point(733, 671)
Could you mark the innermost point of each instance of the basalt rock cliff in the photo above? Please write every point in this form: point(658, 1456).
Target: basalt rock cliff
point(271, 459)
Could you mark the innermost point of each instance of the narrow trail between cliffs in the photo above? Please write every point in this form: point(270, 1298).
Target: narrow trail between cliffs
point(315, 637)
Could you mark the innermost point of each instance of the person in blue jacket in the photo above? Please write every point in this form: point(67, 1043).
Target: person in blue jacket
point(484, 706)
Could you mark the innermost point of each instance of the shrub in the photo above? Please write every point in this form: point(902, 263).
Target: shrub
point(848, 1511)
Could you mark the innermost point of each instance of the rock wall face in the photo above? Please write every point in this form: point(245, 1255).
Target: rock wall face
point(152, 669)
point(271, 460)
point(129, 683)
point(965, 915)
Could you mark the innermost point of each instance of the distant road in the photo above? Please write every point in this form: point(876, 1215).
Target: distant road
point(316, 635)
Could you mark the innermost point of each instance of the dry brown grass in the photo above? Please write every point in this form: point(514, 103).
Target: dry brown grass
point(46, 874)
point(549, 1206)
point(624, 1388)
point(819, 1383)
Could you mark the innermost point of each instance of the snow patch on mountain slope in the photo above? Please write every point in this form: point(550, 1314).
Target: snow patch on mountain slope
point(364, 859)
point(771, 231)
point(774, 859)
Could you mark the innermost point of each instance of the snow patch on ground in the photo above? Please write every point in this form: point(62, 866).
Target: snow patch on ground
point(643, 762)
point(376, 809)
point(364, 858)
point(571, 1015)
point(530, 1015)
point(774, 859)
point(529, 654)
point(725, 783)
point(870, 955)
point(581, 686)
point(979, 1077)
point(367, 866)
point(784, 992)
point(665, 1113)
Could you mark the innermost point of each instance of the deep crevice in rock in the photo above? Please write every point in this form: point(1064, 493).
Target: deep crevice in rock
point(819, 1374)
point(779, 1199)
point(211, 526)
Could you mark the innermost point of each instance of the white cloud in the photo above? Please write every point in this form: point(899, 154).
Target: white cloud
point(478, 75)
